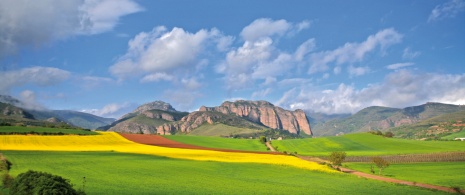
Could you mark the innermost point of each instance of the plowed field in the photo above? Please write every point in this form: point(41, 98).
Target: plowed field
point(157, 140)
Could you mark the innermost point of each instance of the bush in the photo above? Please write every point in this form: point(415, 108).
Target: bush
point(336, 158)
point(262, 139)
point(33, 182)
point(7, 180)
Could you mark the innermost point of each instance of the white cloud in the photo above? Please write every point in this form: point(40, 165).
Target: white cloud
point(399, 89)
point(40, 76)
point(91, 82)
point(353, 52)
point(266, 27)
point(261, 93)
point(103, 15)
point(447, 10)
point(161, 51)
point(408, 54)
point(113, 110)
point(357, 71)
point(258, 58)
point(399, 65)
point(159, 76)
point(27, 23)
point(29, 101)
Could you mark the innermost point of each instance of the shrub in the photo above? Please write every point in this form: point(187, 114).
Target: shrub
point(336, 158)
point(7, 180)
point(380, 163)
point(33, 182)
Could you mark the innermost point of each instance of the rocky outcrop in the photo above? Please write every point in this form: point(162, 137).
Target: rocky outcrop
point(267, 114)
point(156, 105)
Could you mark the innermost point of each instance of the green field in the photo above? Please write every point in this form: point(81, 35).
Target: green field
point(219, 129)
point(21, 129)
point(449, 174)
point(219, 142)
point(454, 135)
point(365, 144)
point(117, 173)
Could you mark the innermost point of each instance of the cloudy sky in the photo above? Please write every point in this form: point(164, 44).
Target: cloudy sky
point(108, 56)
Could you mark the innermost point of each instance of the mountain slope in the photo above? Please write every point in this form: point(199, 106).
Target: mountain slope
point(80, 119)
point(383, 118)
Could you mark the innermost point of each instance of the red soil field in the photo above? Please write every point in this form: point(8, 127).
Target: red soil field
point(157, 140)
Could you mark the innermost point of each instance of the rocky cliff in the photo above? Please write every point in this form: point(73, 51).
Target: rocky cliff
point(267, 114)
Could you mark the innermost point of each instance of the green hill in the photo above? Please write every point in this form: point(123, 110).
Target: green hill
point(383, 118)
point(365, 144)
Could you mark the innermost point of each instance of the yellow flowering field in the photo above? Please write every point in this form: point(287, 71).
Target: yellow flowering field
point(110, 141)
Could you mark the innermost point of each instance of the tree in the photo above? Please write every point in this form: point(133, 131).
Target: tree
point(380, 163)
point(34, 182)
point(336, 158)
point(262, 139)
point(389, 134)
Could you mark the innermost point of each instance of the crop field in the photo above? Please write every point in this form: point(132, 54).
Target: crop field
point(221, 130)
point(219, 142)
point(110, 141)
point(449, 174)
point(365, 144)
point(20, 129)
point(123, 173)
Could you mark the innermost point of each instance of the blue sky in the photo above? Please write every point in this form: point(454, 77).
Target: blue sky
point(108, 56)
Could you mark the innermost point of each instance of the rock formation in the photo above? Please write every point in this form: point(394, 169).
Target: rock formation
point(267, 114)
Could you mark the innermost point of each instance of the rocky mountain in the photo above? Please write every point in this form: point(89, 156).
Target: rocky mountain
point(383, 118)
point(146, 119)
point(159, 117)
point(79, 119)
point(266, 114)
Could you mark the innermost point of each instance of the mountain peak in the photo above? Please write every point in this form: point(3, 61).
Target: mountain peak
point(156, 105)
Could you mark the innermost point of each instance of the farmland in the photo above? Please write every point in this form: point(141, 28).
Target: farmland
point(450, 174)
point(365, 144)
point(218, 142)
point(39, 130)
point(123, 173)
point(111, 141)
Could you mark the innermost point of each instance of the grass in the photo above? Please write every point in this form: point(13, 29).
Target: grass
point(119, 173)
point(219, 142)
point(219, 129)
point(454, 135)
point(365, 144)
point(21, 129)
point(448, 174)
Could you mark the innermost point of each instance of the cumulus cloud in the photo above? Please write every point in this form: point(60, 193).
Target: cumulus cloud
point(158, 52)
point(40, 76)
point(113, 110)
point(27, 23)
point(399, 65)
point(258, 57)
point(357, 71)
point(399, 89)
point(447, 10)
point(353, 52)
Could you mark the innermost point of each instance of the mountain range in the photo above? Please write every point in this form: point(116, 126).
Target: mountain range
point(385, 119)
point(15, 110)
point(241, 117)
point(252, 118)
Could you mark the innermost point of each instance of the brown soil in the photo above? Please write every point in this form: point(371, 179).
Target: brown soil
point(157, 140)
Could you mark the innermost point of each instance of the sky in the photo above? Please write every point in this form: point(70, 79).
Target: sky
point(106, 57)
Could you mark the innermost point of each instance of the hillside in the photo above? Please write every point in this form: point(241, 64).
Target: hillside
point(440, 127)
point(383, 118)
point(75, 118)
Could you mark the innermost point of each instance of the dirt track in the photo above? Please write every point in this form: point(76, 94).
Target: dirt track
point(157, 140)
